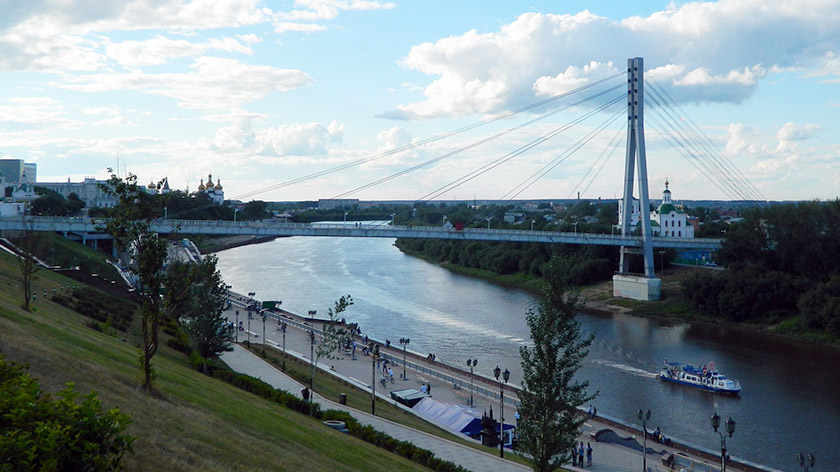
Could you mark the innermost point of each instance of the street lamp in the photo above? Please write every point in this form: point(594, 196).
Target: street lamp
point(506, 377)
point(806, 462)
point(730, 428)
point(644, 416)
point(311, 366)
point(404, 342)
point(264, 317)
point(237, 326)
point(249, 326)
point(374, 355)
point(471, 363)
point(488, 221)
point(283, 330)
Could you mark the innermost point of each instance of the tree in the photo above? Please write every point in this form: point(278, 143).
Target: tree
point(28, 243)
point(550, 396)
point(196, 294)
point(39, 433)
point(143, 253)
point(333, 336)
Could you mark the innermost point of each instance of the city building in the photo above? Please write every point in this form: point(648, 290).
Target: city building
point(88, 191)
point(667, 220)
point(214, 191)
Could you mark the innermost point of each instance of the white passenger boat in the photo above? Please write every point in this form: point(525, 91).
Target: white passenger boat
point(705, 377)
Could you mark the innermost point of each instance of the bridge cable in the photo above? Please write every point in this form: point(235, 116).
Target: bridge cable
point(413, 145)
point(717, 163)
point(611, 147)
point(709, 145)
point(710, 169)
point(473, 145)
point(517, 152)
point(568, 153)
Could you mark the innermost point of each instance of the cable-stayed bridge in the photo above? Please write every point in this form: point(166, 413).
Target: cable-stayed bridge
point(597, 99)
point(351, 230)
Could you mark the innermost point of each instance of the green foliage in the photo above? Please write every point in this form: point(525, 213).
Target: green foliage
point(103, 308)
point(820, 306)
point(550, 395)
point(196, 295)
point(53, 204)
point(144, 252)
point(38, 432)
point(783, 261)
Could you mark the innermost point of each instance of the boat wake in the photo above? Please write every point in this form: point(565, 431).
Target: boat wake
point(628, 369)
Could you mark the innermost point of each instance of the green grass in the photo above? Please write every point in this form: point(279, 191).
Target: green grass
point(191, 422)
point(57, 250)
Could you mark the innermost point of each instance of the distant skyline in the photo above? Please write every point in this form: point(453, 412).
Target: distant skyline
point(261, 93)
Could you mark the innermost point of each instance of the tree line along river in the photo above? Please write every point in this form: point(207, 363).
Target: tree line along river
point(791, 391)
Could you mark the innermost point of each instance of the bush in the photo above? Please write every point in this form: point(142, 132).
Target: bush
point(39, 433)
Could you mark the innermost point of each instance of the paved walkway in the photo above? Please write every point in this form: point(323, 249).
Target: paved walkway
point(241, 360)
point(606, 456)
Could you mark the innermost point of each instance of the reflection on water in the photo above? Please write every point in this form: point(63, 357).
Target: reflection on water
point(791, 397)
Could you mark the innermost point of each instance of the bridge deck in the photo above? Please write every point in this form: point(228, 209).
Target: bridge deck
point(353, 230)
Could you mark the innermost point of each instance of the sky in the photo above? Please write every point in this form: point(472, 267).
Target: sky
point(380, 100)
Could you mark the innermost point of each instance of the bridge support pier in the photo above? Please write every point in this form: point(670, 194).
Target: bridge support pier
point(625, 284)
point(637, 287)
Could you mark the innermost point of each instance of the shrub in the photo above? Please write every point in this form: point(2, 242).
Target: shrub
point(39, 433)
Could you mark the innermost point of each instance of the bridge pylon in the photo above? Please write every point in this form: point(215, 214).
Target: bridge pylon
point(636, 286)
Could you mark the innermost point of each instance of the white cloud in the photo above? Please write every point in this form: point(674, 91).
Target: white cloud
point(572, 78)
point(34, 113)
point(297, 139)
point(793, 132)
point(702, 51)
point(214, 83)
point(114, 121)
point(161, 49)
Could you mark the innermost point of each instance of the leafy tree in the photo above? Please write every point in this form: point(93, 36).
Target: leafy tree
point(144, 253)
point(196, 294)
point(28, 243)
point(38, 432)
point(334, 337)
point(550, 396)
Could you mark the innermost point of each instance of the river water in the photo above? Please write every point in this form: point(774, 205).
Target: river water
point(791, 391)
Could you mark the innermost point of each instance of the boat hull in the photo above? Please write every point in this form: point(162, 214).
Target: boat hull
point(706, 387)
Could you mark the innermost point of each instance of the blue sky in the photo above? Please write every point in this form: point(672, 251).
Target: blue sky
point(261, 93)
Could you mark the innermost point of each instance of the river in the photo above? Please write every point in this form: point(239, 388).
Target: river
point(791, 391)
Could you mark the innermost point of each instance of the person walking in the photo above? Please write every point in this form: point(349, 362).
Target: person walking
point(588, 454)
point(581, 452)
point(574, 457)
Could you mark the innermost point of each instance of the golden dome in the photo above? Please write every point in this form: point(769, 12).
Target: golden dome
point(218, 184)
point(201, 186)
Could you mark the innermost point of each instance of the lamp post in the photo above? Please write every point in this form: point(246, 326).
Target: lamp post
point(644, 416)
point(311, 366)
point(488, 221)
point(404, 342)
point(393, 215)
point(374, 355)
point(806, 462)
point(312, 317)
point(249, 326)
point(532, 224)
point(263, 319)
point(237, 326)
point(471, 363)
point(730, 428)
point(506, 377)
point(283, 330)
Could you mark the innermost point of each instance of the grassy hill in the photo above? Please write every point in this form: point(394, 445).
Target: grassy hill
point(192, 422)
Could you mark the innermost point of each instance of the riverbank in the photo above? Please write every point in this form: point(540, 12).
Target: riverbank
point(209, 245)
point(673, 306)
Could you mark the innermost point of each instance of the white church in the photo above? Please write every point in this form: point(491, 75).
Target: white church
point(667, 220)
